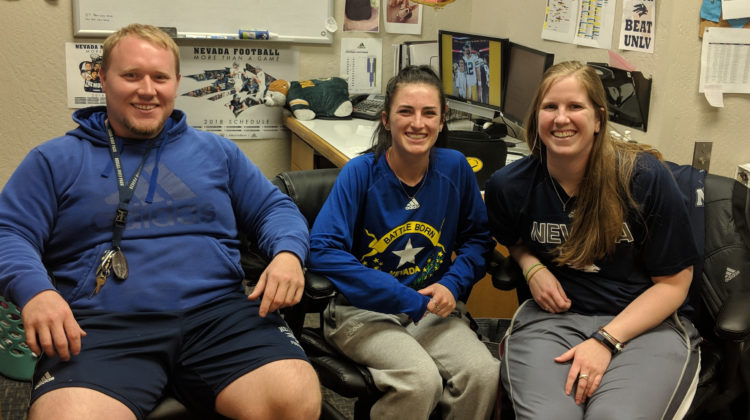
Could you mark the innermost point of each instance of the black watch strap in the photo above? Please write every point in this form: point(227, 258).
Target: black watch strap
point(613, 347)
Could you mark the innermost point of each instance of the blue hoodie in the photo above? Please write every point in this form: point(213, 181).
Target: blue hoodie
point(195, 192)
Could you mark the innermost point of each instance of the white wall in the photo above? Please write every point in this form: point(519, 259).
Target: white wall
point(33, 105)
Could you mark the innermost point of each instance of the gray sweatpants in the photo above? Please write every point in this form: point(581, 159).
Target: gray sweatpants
point(654, 377)
point(410, 363)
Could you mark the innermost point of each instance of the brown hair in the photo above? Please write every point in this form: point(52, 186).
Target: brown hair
point(603, 197)
point(381, 138)
point(149, 33)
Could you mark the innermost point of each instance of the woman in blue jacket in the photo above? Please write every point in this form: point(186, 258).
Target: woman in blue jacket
point(385, 238)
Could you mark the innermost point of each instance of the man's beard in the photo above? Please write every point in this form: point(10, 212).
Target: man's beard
point(147, 132)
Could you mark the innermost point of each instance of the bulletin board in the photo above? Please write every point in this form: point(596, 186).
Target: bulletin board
point(286, 20)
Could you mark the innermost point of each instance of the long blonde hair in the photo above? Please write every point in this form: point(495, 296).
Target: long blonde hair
point(603, 197)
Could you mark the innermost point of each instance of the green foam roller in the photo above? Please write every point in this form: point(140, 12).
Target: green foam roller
point(16, 360)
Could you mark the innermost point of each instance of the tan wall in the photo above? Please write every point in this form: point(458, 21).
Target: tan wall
point(32, 60)
point(679, 115)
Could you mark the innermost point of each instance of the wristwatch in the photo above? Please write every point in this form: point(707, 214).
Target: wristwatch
point(610, 342)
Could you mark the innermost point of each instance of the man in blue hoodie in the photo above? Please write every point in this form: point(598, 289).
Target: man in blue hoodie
point(119, 241)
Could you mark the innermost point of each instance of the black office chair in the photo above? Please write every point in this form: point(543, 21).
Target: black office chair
point(485, 154)
point(721, 295)
point(309, 190)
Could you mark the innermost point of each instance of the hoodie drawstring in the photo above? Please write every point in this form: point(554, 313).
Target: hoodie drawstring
point(155, 174)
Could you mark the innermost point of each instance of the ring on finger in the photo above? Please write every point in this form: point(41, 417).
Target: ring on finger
point(583, 376)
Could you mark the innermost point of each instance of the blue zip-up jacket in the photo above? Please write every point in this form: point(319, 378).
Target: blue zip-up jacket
point(195, 192)
point(378, 254)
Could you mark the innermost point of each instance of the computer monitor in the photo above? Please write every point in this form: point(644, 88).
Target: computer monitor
point(471, 69)
point(526, 67)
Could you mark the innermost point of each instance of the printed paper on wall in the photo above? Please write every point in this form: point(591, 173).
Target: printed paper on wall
point(223, 87)
point(638, 25)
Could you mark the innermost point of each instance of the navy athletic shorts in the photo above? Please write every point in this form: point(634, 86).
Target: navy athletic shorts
point(195, 353)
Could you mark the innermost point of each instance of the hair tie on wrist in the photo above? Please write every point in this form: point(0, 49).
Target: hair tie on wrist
point(533, 270)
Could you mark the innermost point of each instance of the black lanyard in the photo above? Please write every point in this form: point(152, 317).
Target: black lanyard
point(125, 191)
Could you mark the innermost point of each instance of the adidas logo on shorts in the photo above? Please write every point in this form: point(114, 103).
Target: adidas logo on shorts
point(292, 339)
point(45, 378)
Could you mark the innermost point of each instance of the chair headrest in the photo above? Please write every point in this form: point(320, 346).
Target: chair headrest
point(308, 189)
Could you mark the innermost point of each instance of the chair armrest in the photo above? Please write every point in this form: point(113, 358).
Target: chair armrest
point(733, 319)
point(505, 271)
point(318, 287)
point(344, 377)
point(336, 372)
point(318, 292)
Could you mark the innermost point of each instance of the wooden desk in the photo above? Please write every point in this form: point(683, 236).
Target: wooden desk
point(340, 140)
